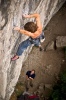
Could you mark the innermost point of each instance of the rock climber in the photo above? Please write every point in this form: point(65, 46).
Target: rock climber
point(30, 75)
point(34, 31)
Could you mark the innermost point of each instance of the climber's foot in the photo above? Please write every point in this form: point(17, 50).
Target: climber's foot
point(41, 49)
point(14, 58)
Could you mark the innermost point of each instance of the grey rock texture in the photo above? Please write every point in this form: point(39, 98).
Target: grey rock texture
point(11, 14)
point(61, 41)
point(50, 46)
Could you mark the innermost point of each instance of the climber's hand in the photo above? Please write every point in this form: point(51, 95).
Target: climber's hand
point(16, 28)
point(26, 16)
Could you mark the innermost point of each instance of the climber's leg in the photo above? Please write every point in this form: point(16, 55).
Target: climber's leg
point(41, 48)
point(38, 44)
point(21, 49)
point(31, 82)
point(27, 84)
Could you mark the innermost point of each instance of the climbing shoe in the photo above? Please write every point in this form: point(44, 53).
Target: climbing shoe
point(14, 58)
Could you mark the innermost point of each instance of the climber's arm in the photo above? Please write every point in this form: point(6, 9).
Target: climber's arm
point(33, 35)
point(22, 31)
point(31, 15)
point(31, 78)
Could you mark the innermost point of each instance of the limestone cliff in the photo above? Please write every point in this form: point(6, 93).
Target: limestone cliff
point(11, 14)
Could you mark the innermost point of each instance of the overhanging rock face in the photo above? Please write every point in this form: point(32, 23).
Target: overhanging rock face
point(11, 14)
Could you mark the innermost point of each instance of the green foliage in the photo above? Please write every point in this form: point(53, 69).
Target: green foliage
point(19, 88)
point(63, 77)
point(18, 92)
point(59, 90)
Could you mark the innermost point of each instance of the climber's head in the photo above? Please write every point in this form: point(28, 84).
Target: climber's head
point(33, 71)
point(30, 26)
